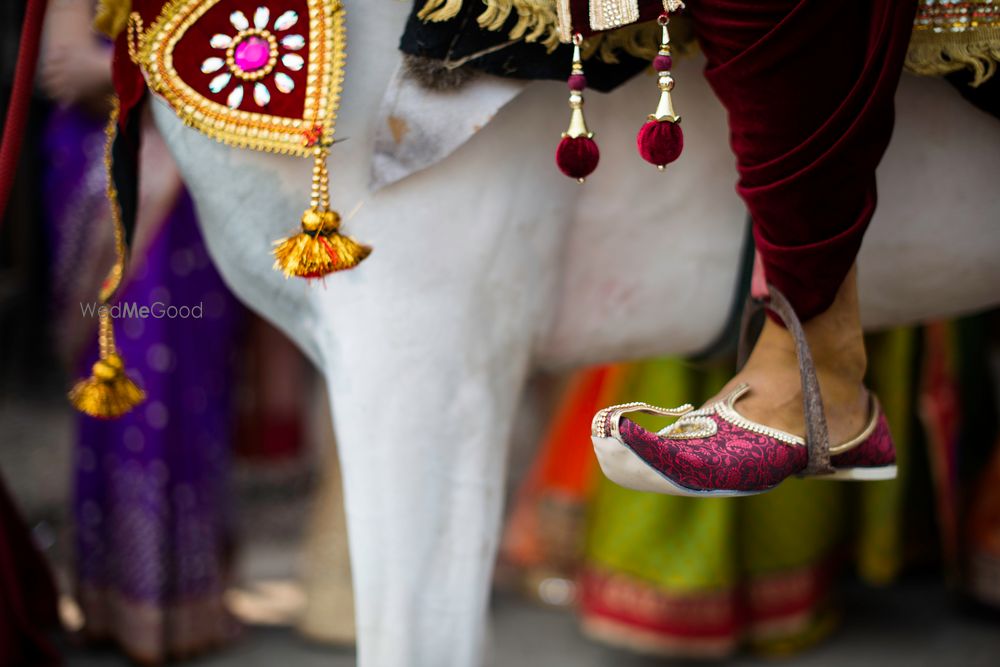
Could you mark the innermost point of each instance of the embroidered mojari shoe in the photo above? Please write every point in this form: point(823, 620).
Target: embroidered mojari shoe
point(716, 451)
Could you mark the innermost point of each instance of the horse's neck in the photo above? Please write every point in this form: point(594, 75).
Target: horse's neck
point(650, 264)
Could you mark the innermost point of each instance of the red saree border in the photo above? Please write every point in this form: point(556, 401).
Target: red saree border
point(626, 611)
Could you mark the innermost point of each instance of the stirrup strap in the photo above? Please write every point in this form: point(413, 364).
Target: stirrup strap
point(817, 435)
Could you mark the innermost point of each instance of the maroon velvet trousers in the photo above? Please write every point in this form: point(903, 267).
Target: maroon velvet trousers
point(809, 86)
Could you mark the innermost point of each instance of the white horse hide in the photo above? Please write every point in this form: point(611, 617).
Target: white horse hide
point(491, 261)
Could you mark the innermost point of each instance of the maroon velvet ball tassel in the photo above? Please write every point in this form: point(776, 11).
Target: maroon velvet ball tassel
point(577, 157)
point(661, 139)
point(577, 154)
point(660, 142)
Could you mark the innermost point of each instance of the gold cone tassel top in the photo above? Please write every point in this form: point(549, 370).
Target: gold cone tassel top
point(577, 121)
point(664, 79)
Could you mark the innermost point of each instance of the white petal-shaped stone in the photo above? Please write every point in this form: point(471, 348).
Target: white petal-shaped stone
point(293, 61)
point(286, 20)
point(218, 83)
point(261, 17)
point(293, 42)
point(239, 20)
point(235, 98)
point(212, 65)
point(261, 95)
point(284, 82)
point(221, 41)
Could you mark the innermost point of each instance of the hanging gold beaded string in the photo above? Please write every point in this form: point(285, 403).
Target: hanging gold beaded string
point(321, 179)
point(319, 249)
point(318, 218)
point(109, 392)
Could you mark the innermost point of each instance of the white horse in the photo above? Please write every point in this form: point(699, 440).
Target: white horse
point(490, 262)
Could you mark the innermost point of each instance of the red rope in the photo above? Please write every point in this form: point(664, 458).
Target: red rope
point(20, 97)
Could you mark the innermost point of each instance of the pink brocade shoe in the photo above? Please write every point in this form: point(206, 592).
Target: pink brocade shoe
point(716, 451)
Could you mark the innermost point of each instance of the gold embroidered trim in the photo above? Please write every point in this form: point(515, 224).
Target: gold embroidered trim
point(548, 22)
point(564, 19)
point(950, 35)
point(605, 422)
point(947, 36)
point(727, 410)
point(874, 412)
point(937, 53)
point(692, 426)
point(153, 51)
point(610, 14)
point(698, 424)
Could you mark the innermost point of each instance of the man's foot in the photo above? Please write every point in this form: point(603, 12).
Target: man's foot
point(772, 372)
point(752, 437)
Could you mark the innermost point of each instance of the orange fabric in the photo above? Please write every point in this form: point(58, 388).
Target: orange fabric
point(564, 469)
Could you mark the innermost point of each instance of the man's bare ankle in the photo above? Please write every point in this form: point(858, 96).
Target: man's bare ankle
point(839, 356)
point(848, 361)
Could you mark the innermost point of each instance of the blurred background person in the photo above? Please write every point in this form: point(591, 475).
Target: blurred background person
point(150, 511)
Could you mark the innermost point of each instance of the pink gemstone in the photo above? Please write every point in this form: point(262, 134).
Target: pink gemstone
point(252, 53)
point(663, 63)
point(577, 82)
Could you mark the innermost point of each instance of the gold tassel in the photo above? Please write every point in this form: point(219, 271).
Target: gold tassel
point(112, 16)
point(109, 392)
point(319, 249)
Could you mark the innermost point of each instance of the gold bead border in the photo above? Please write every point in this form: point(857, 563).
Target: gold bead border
point(272, 58)
point(957, 17)
point(244, 129)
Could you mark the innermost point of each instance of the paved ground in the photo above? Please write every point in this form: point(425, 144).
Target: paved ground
point(913, 624)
